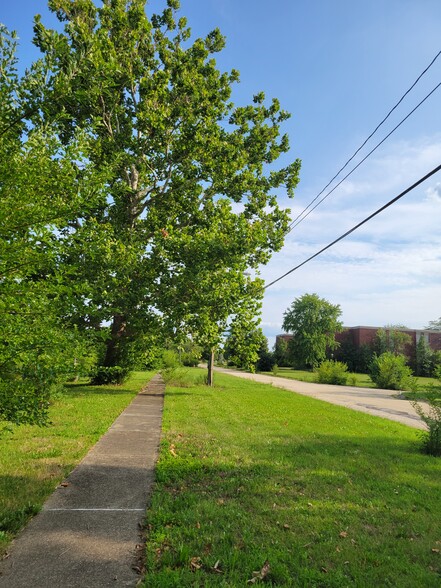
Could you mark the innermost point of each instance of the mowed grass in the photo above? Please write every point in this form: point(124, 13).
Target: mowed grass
point(361, 380)
point(34, 460)
point(250, 476)
point(428, 388)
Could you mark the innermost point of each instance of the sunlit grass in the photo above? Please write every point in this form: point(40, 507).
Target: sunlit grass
point(354, 379)
point(34, 460)
point(427, 387)
point(329, 497)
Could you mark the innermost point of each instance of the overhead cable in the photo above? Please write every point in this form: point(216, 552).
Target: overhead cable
point(406, 191)
point(295, 224)
point(366, 140)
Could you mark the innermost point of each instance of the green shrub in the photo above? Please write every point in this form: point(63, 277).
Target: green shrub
point(390, 371)
point(152, 358)
point(432, 418)
point(170, 359)
point(332, 372)
point(190, 359)
point(352, 380)
point(102, 375)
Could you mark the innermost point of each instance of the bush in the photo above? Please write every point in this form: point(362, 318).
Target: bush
point(170, 359)
point(190, 359)
point(332, 372)
point(432, 437)
point(152, 358)
point(390, 371)
point(102, 375)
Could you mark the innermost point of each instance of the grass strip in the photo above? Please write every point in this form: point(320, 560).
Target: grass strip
point(34, 460)
point(263, 486)
point(427, 388)
point(357, 379)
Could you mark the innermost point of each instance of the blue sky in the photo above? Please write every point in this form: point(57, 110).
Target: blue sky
point(338, 66)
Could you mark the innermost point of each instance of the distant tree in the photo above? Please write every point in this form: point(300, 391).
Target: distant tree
point(266, 360)
point(435, 370)
point(313, 321)
point(392, 339)
point(281, 353)
point(423, 358)
point(358, 359)
point(434, 325)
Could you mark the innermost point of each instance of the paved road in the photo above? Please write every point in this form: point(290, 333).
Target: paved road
point(382, 403)
point(87, 534)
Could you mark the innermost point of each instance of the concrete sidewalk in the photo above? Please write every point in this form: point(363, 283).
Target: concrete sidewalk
point(88, 533)
point(382, 403)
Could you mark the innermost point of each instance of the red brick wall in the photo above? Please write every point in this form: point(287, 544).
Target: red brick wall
point(435, 341)
point(359, 336)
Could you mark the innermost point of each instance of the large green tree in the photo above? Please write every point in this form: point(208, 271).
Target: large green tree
point(313, 322)
point(169, 246)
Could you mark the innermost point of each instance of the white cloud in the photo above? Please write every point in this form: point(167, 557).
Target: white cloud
point(434, 193)
point(389, 270)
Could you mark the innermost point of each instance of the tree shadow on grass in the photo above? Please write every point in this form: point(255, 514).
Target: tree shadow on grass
point(333, 501)
point(81, 389)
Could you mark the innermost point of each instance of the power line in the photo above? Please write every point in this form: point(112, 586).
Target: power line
point(367, 139)
point(292, 225)
point(406, 191)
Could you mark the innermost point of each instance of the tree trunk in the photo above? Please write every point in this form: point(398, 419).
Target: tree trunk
point(210, 368)
point(113, 344)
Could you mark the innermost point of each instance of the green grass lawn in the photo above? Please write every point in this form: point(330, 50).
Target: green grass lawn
point(427, 387)
point(251, 476)
point(362, 380)
point(34, 460)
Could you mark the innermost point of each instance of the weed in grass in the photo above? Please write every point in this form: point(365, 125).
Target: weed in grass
point(183, 377)
point(431, 439)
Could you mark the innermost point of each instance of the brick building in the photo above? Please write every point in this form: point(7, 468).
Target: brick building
point(360, 336)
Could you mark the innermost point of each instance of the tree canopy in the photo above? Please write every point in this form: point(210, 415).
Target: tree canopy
point(434, 325)
point(178, 156)
point(135, 195)
point(313, 322)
